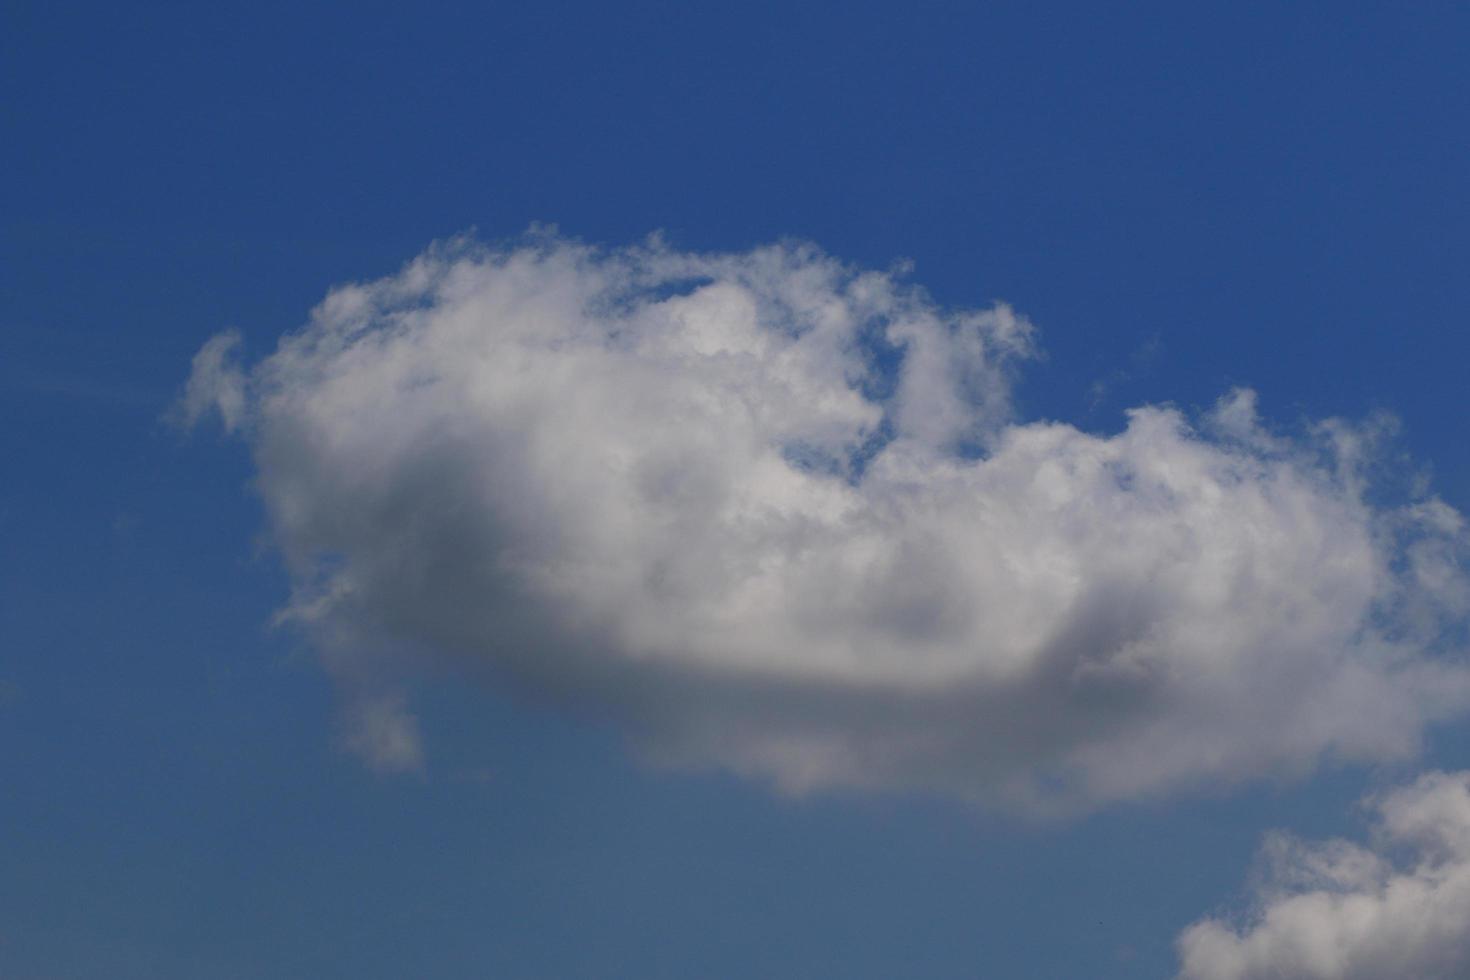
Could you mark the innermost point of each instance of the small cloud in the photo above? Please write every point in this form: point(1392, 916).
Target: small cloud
point(216, 385)
point(1339, 910)
point(125, 526)
point(478, 775)
point(1140, 363)
point(379, 729)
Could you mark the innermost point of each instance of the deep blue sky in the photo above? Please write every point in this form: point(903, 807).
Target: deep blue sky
point(1182, 198)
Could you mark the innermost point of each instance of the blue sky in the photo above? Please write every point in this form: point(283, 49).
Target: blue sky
point(1181, 200)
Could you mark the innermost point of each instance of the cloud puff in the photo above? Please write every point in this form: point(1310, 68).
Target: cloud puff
point(774, 513)
point(1338, 911)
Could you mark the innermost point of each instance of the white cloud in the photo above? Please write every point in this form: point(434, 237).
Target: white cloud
point(775, 514)
point(216, 384)
point(1339, 911)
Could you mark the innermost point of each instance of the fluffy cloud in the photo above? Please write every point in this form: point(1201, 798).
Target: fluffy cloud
point(1338, 911)
point(774, 513)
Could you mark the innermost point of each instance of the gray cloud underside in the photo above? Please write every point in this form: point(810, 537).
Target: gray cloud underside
point(773, 513)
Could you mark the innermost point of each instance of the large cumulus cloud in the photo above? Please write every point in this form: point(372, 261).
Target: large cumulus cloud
point(773, 513)
point(1340, 911)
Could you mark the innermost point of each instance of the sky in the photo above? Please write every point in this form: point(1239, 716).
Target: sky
point(667, 490)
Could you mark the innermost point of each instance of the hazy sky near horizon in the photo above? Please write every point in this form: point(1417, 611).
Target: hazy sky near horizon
point(669, 490)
